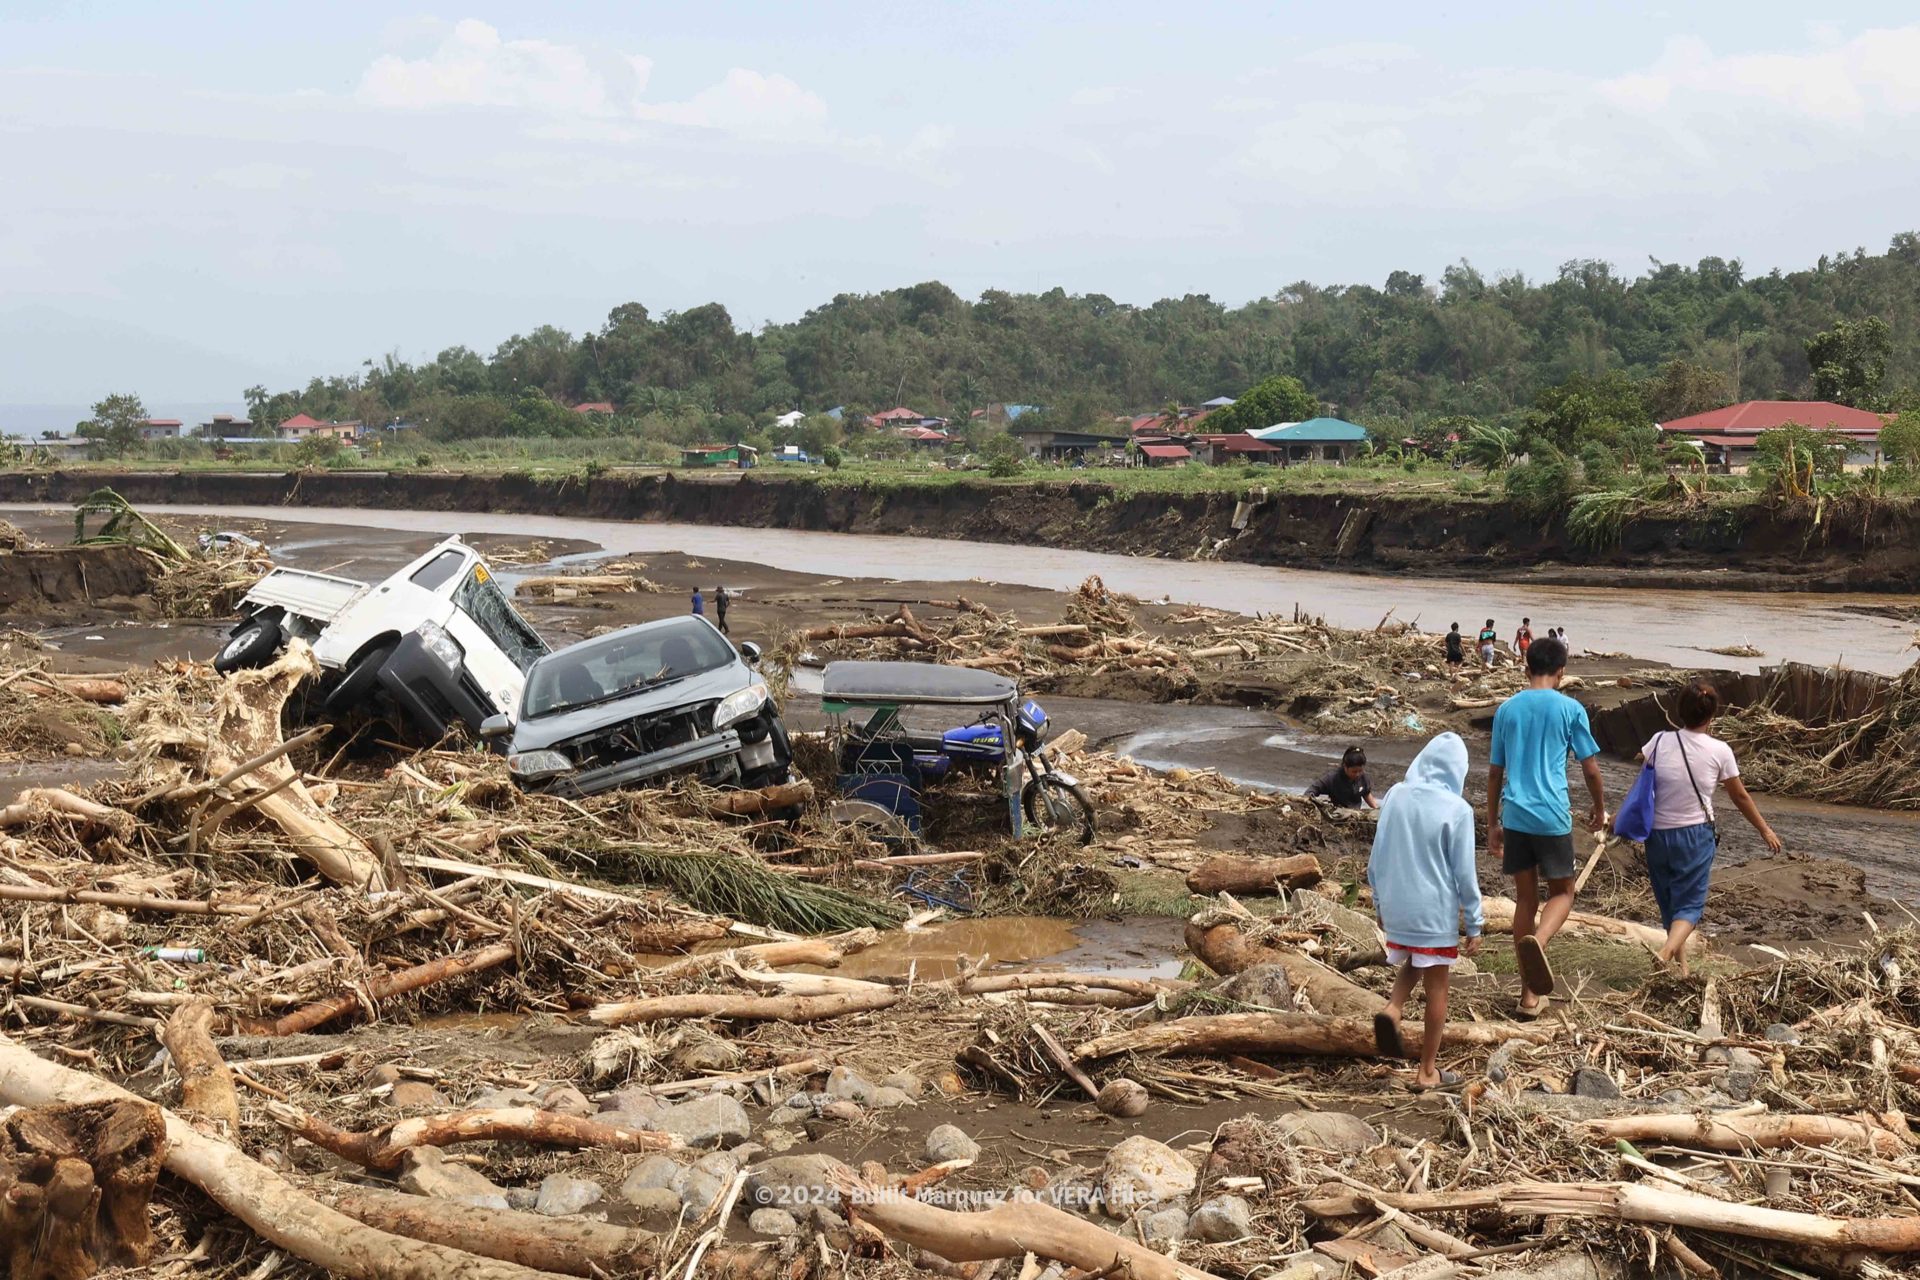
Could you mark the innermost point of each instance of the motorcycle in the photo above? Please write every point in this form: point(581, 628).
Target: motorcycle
point(1050, 798)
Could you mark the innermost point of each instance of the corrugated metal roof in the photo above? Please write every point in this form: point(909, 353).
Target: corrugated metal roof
point(1237, 444)
point(1166, 451)
point(1218, 402)
point(1754, 416)
point(1313, 431)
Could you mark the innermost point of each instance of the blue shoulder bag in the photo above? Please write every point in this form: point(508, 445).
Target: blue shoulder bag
point(1634, 820)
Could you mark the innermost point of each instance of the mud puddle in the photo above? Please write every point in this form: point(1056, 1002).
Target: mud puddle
point(1147, 947)
point(23, 775)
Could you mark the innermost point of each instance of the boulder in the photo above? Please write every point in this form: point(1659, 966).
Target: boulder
point(842, 1110)
point(1221, 1219)
point(655, 1173)
point(706, 1180)
point(886, 1098)
point(713, 1121)
point(1327, 1131)
point(417, 1095)
point(1140, 1172)
point(795, 1183)
point(845, 1082)
point(950, 1142)
point(1262, 985)
point(566, 1100)
point(1781, 1033)
point(1123, 1099)
point(1162, 1226)
point(905, 1081)
point(562, 1194)
point(1590, 1082)
point(709, 1053)
point(427, 1172)
point(656, 1209)
point(773, 1222)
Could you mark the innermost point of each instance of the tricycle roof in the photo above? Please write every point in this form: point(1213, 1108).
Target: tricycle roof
point(891, 682)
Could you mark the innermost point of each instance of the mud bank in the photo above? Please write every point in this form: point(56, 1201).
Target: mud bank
point(1427, 535)
point(56, 581)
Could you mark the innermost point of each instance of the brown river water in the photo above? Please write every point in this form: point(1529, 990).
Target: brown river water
point(1664, 625)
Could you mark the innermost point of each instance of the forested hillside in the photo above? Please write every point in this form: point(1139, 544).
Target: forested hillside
point(1407, 351)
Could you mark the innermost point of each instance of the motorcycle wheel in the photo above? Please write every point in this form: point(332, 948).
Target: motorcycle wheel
point(252, 644)
point(1053, 805)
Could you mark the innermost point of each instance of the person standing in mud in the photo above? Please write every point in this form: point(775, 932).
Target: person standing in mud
point(1487, 640)
point(1348, 785)
point(1522, 638)
point(721, 599)
point(1427, 893)
point(699, 604)
point(1529, 817)
point(1688, 763)
point(1456, 652)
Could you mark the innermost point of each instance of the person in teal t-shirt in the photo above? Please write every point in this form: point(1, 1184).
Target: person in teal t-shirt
point(1529, 818)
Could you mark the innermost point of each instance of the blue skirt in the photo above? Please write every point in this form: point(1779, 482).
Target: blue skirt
point(1679, 862)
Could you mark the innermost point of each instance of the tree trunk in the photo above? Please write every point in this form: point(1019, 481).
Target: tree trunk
point(740, 804)
point(567, 1246)
point(1584, 924)
point(385, 986)
point(741, 1007)
point(1254, 875)
point(1738, 1133)
point(35, 802)
point(1292, 1033)
point(1224, 949)
point(824, 952)
point(384, 1148)
point(282, 1214)
point(206, 1083)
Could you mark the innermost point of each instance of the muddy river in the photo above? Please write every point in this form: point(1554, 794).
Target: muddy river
point(1677, 627)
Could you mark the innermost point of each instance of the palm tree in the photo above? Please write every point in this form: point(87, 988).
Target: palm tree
point(1170, 417)
point(1489, 448)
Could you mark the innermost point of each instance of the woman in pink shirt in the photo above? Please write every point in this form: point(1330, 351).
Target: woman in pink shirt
point(1688, 765)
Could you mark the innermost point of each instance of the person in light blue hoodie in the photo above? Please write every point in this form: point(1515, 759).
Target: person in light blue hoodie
point(1427, 894)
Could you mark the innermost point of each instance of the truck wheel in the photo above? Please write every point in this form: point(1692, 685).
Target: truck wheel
point(361, 679)
point(252, 644)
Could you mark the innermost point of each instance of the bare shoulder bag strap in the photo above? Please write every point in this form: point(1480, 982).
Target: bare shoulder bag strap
point(1705, 812)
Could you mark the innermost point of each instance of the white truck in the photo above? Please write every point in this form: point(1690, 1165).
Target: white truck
point(439, 637)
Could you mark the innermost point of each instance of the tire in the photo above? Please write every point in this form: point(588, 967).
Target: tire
point(251, 644)
point(361, 679)
point(1053, 805)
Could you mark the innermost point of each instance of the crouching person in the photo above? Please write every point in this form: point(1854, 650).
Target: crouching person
point(1427, 894)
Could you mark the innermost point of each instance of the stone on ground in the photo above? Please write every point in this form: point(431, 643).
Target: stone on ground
point(950, 1142)
point(562, 1194)
point(1140, 1172)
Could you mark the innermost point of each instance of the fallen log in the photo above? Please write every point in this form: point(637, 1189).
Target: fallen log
point(206, 1083)
point(1254, 875)
point(279, 1212)
point(97, 689)
point(1740, 1133)
point(126, 901)
point(37, 802)
point(384, 1148)
point(1291, 1033)
point(387, 985)
point(625, 1013)
point(740, 804)
point(825, 952)
point(1225, 949)
point(568, 1246)
point(1499, 915)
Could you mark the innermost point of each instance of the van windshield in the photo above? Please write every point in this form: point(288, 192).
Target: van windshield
point(481, 599)
point(597, 670)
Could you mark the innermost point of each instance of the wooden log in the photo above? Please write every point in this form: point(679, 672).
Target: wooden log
point(1291, 1033)
point(126, 901)
point(206, 1084)
point(1144, 988)
point(278, 1211)
point(741, 804)
point(1254, 875)
point(825, 952)
point(384, 1148)
point(75, 1183)
point(98, 689)
point(1740, 1133)
point(36, 803)
point(563, 1245)
point(1225, 949)
point(387, 985)
point(1499, 914)
point(741, 1008)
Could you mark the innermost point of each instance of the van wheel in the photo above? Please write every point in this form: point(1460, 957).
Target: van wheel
point(252, 644)
point(358, 684)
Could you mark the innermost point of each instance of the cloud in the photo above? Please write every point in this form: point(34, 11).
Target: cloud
point(747, 104)
point(1868, 78)
point(473, 67)
point(1361, 56)
point(1104, 95)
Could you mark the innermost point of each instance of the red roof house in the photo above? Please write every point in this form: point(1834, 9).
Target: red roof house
point(594, 406)
point(299, 420)
point(901, 414)
point(1748, 419)
point(1165, 455)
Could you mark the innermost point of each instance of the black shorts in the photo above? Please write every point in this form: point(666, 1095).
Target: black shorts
point(1456, 660)
point(1551, 856)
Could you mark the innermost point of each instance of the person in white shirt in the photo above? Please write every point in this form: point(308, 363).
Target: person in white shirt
point(1689, 764)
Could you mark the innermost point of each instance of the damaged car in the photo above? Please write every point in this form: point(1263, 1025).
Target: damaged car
point(665, 697)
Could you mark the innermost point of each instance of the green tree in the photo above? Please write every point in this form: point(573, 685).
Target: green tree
point(1789, 460)
point(1280, 398)
point(1683, 388)
point(1849, 361)
point(1489, 447)
point(114, 427)
point(1900, 441)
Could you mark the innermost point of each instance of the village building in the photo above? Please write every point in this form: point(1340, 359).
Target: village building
point(1048, 445)
point(1730, 435)
point(1165, 455)
point(602, 407)
point(301, 427)
point(1222, 450)
point(1315, 440)
point(742, 456)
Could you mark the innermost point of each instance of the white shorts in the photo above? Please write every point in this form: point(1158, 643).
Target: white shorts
point(1397, 956)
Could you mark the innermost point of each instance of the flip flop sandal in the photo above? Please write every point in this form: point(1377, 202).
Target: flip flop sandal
point(1533, 965)
point(1448, 1080)
point(1386, 1037)
point(1524, 1014)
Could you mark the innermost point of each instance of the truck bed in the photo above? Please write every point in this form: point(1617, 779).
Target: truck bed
point(319, 596)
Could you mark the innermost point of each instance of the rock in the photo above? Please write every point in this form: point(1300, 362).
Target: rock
point(567, 1100)
point(843, 1110)
point(1122, 1099)
point(1716, 1056)
point(426, 1172)
point(1140, 1172)
point(1590, 1082)
point(778, 1140)
point(385, 1073)
point(521, 1199)
point(706, 1052)
point(804, 1101)
point(630, 1109)
point(416, 1095)
point(906, 1082)
point(1221, 1219)
point(1738, 1084)
point(706, 1181)
point(886, 1098)
point(773, 1222)
point(1263, 985)
point(950, 1082)
point(655, 1209)
point(562, 1194)
point(845, 1082)
point(1742, 1059)
point(747, 1152)
point(655, 1173)
point(1162, 1226)
point(1781, 1033)
point(950, 1142)
point(713, 1121)
point(1328, 1131)
point(503, 1098)
point(795, 1183)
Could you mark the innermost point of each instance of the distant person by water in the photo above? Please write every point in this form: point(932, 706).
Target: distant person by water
point(1488, 638)
point(721, 599)
point(699, 605)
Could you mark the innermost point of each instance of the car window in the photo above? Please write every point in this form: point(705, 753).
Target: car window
point(438, 572)
point(596, 670)
point(481, 599)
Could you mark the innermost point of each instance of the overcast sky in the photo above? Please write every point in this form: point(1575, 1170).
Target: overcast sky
point(201, 196)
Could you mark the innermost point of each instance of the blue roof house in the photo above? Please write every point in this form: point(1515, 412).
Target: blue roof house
point(1315, 440)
